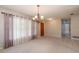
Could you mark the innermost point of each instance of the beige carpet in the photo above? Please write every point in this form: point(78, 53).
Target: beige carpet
point(46, 45)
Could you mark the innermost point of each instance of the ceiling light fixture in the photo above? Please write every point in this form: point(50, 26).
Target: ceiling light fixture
point(38, 18)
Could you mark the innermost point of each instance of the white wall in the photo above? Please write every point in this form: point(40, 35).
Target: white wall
point(1, 31)
point(53, 28)
point(75, 25)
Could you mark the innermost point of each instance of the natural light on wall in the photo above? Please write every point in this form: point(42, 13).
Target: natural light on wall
point(50, 19)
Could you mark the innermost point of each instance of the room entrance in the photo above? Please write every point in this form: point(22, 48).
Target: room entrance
point(41, 29)
point(66, 31)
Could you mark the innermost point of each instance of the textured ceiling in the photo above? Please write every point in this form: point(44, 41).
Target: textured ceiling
point(45, 10)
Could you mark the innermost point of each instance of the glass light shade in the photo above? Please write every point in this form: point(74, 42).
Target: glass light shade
point(42, 17)
point(33, 18)
point(36, 17)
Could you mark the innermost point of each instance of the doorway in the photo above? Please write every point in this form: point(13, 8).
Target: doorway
point(66, 28)
point(41, 29)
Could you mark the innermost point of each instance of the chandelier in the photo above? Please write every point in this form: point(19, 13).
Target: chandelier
point(38, 18)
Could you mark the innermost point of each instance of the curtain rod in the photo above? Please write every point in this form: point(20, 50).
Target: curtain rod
point(10, 14)
point(15, 15)
point(6, 13)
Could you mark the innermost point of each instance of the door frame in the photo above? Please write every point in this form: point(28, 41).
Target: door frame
point(69, 27)
point(42, 25)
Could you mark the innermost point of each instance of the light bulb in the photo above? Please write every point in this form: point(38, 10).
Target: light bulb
point(42, 17)
point(36, 17)
point(33, 18)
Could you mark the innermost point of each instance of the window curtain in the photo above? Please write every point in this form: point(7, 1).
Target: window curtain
point(18, 30)
point(8, 30)
point(21, 29)
point(34, 29)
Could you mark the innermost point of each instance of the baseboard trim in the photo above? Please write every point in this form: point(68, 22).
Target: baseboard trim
point(53, 37)
point(74, 39)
